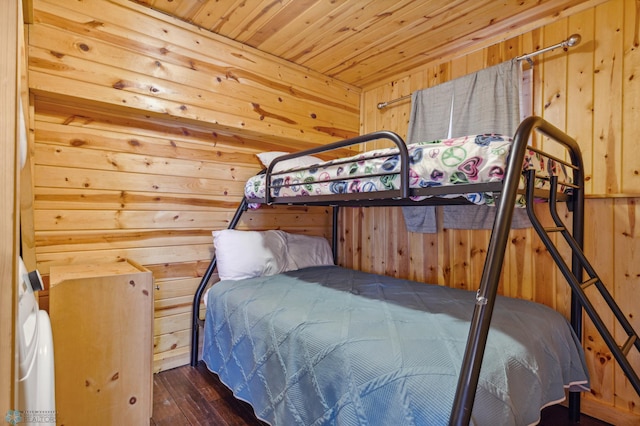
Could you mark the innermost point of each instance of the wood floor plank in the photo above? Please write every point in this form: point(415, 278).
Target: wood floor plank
point(199, 411)
point(176, 419)
point(208, 385)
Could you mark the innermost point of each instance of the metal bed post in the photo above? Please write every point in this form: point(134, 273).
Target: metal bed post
point(485, 299)
point(196, 322)
point(334, 234)
point(577, 206)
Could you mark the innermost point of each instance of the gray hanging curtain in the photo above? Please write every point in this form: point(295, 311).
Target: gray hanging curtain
point(487, 101)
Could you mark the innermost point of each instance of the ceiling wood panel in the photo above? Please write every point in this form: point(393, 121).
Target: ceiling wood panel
point(362, 42)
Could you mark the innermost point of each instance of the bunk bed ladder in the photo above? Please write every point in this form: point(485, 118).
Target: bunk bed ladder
point(580, 287)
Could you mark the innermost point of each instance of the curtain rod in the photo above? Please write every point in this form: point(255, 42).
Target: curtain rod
point(573, 40)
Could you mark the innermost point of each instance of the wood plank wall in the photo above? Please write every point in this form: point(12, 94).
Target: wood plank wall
point(593, 92)
point(120, 53)
point(145, 131)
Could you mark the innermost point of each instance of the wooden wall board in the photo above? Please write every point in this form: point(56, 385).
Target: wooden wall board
point(69, 177)
point(61, 241)
point(167, 289)
point(631, 99)
point(77, 157)
point(626, 287)
point(167, 342)
point(580, 88)
point(600, 247)
point(178, 270)
point(171, 359)
point(10, 27)
point(75, 199)
point(608, 84)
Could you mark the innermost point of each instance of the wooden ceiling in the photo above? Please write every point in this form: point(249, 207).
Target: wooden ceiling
point(364, 41)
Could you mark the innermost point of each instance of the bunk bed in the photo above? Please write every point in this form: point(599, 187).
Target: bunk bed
point(514, 175)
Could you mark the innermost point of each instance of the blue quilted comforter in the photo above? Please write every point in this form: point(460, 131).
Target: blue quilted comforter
point(332, 346)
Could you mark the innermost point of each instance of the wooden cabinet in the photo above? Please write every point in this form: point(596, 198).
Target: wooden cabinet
point(102, 323)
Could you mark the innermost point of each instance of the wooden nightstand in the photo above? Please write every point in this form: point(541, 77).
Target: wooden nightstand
point(102, 323)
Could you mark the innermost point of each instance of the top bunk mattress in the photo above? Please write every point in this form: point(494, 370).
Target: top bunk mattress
point(475, 159)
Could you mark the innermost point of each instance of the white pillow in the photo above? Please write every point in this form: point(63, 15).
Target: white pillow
point(248, 254)
point(305, 251)
point(306, 160)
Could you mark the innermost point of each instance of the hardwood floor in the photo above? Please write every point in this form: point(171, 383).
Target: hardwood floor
point(195, 396)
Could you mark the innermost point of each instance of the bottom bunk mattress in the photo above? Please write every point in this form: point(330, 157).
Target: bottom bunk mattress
point(327, 345)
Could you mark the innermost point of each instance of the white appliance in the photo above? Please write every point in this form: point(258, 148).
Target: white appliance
point(36, 399)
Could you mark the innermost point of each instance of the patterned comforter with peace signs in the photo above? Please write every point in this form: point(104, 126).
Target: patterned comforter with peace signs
point(462, 160)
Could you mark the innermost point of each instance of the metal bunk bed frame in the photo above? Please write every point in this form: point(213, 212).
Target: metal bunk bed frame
point(487, 291)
